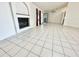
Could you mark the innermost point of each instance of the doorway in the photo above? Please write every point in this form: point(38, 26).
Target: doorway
point(36, 17)
point(39, 17)
point(64, 17)
point(45, 17)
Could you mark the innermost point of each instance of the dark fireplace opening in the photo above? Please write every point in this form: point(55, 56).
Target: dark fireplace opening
point(23, 22)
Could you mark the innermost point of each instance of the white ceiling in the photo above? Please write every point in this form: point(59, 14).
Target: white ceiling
point(50, 6)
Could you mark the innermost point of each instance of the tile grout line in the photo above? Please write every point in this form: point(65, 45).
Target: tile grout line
point(5, 52)
point(25, 48)
point(69, 43)
point(52, 40)
point(34, 45)
point(43, 46)
point(61, 42)
point(18, 46)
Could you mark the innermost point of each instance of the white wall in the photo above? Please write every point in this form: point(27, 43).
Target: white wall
point(6, 22)
point(21, 8)
point(72, 15)
point(55, 17)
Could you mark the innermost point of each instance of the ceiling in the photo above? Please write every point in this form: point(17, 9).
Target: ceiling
point(50, 6)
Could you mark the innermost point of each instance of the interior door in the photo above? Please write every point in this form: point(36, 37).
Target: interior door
point(39, 17)
point(36, 17)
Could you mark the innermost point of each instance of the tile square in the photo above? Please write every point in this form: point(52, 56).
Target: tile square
point(46, 53)
point(69, 52)
point(7, 48)
point(49, 40)
point(58, 49)
point(1, 53)
point(64, 39)
point(42, 38)
point(67, 45)
point(32, 55)
point(28, 46)
point(55, 42)
point(75, 47)
point(36, 49)
point(17, 41)
point(23, 43)
point(33, 41)
point(5, 55)
point(55, 54)
point(14, 50)
point(6, 43)
point(73, 42)
point(48, 45)
point(40, 43)
point(22, 53)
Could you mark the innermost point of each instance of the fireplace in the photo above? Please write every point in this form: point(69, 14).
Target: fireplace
point(23, 22)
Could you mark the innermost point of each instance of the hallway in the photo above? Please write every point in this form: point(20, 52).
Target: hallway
point(48, 40)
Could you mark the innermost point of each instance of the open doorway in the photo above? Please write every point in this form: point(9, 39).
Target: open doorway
point(36, 17)
point(45, 17)
point(39, 17)
point(64, 14)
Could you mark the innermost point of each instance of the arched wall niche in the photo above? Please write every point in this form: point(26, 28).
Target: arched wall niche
point(22, 8)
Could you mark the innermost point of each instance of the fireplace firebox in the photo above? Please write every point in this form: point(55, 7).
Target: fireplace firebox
point(23, 22)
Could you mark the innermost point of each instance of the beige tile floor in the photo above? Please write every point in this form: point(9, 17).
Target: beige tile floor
point(48, 40)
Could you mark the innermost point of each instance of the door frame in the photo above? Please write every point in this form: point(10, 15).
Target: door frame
point(36, 16)
point(39, 17)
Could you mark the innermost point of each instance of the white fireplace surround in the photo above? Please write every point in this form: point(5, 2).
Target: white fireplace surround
point(17, 25)
point(17, 12)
